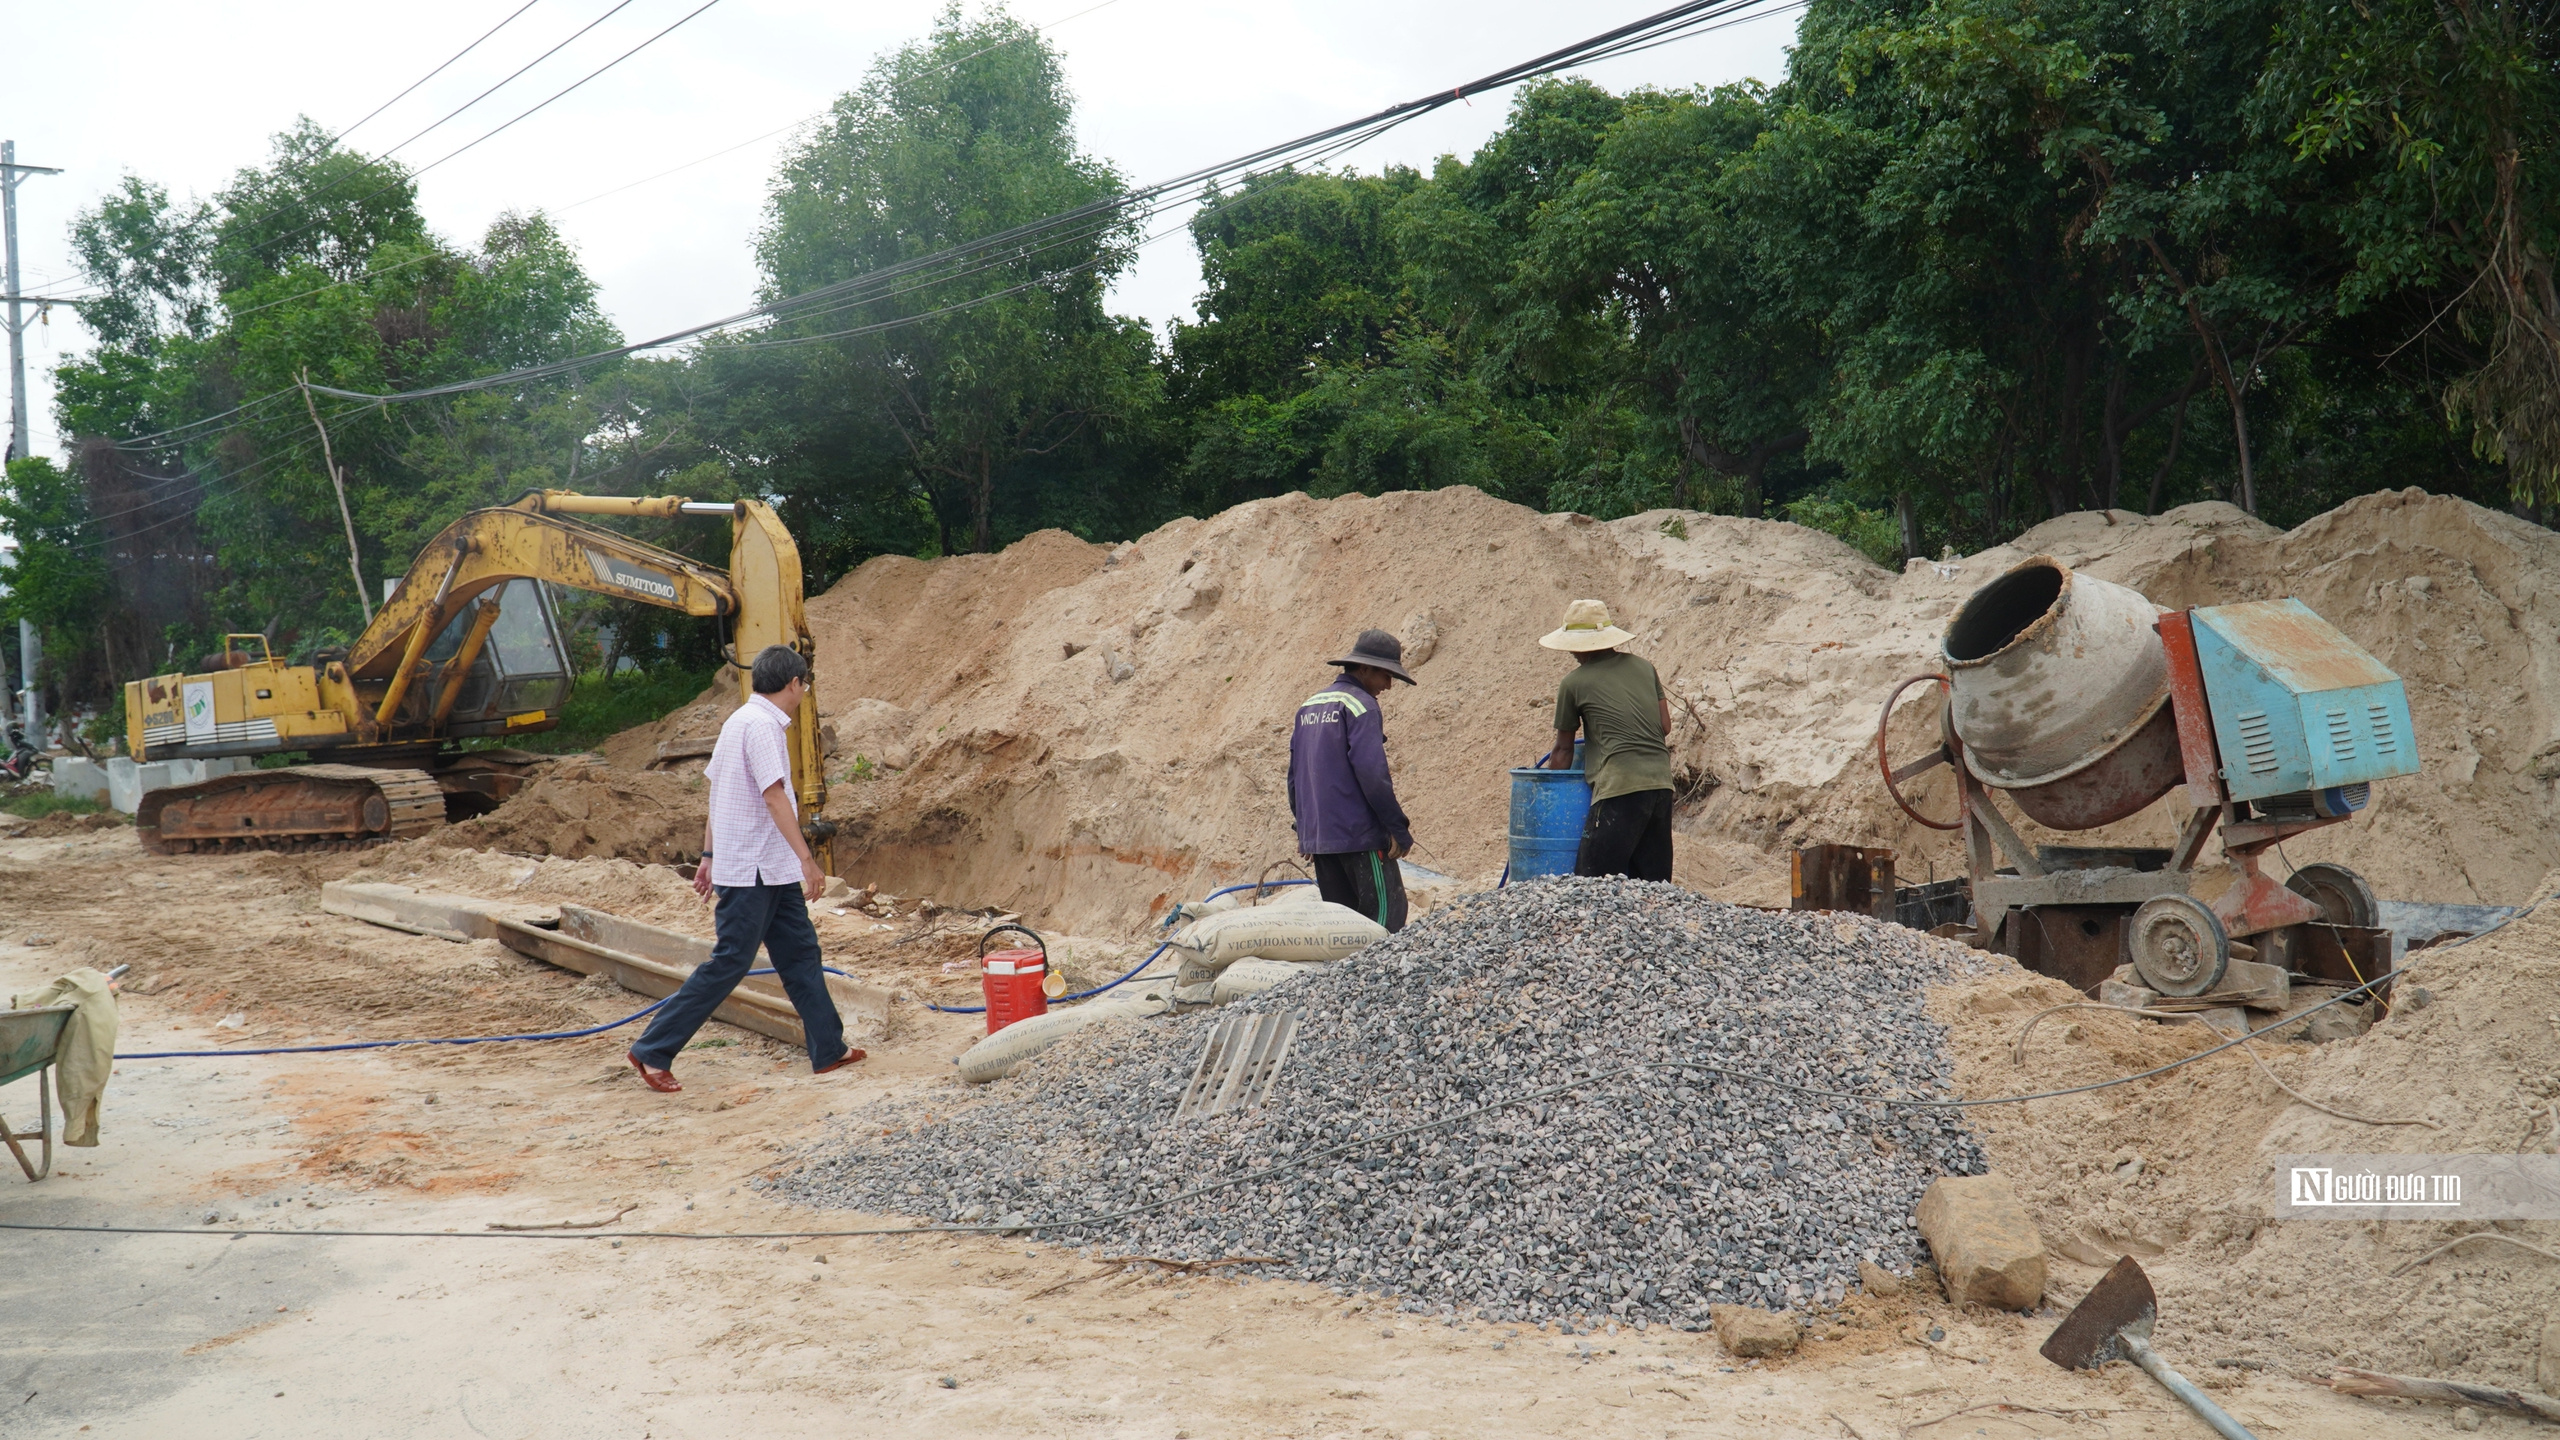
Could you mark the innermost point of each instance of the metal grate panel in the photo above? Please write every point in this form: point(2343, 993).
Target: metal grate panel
point(2384, 741)
point(2342, 736)
point(1239, 1065)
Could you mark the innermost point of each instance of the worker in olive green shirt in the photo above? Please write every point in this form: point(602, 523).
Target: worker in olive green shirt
point(1616, 701)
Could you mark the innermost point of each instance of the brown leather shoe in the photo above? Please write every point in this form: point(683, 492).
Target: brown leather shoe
point(847, 1058)
point(662, 1081)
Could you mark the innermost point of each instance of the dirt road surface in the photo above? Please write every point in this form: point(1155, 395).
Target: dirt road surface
point(227, 1329)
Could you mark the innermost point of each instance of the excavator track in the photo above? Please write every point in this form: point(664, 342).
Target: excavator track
point(297, 807)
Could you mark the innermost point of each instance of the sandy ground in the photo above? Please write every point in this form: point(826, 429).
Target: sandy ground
point(222, 1331)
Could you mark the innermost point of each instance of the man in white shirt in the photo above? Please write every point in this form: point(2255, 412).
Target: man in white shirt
point(753, 854)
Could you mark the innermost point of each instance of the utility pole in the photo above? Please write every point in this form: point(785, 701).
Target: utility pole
point(30, 698)
point(11, 172)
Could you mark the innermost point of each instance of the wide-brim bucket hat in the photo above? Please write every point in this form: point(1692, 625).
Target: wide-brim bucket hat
point(1586, 627)
point(1378, 648)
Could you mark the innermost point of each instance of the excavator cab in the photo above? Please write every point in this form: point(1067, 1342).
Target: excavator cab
point(521, 670)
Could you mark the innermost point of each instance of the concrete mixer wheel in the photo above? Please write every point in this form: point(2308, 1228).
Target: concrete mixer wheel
point(2177, 945)
point(1945, 754)
point(2342, 895)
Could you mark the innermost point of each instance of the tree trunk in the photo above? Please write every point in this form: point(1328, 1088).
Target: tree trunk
point(1746, 468)
point(2070, 482)
point(2240, 438)
point(2177, 430)
point(1909, 515)
point(982, 503)
point(2111, 428)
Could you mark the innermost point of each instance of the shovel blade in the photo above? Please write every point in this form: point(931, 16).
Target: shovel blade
point(2120, 1304)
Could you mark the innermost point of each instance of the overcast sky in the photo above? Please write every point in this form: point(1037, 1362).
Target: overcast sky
point(186, 93)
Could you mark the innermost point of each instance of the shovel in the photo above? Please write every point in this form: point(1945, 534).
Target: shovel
point(2113, 1322)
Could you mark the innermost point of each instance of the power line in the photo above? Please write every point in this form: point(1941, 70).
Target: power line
point(805, 119)
point(1023, 241)
point(430, 75)
point(689, 164)
point(410, 177)
point(494, 89)
point(1680, 21)
point(590, 75)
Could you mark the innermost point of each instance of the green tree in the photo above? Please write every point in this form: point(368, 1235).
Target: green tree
point(1011, 359)
point(1651, 265)
point(2436, 127)
point(315, 264)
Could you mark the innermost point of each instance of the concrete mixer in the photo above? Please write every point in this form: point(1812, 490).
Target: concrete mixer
point(2083, 704)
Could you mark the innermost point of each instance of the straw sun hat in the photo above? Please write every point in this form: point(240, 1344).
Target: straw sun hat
point(1586, 627)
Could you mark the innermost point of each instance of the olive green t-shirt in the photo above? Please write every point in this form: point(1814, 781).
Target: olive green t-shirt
point(1617, 702)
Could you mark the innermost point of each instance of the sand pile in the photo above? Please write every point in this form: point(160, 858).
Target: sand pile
point(2181, 1171)
point(580, 806)
point(1088, 733)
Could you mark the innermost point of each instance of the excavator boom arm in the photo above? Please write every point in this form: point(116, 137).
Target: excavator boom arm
point(488, 548)
point(533, 538)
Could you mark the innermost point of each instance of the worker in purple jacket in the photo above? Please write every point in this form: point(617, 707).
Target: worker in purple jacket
point(1349, 824)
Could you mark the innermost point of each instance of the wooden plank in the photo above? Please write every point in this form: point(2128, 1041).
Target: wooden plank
point(428, 912)
point(863, 1008)
point(747, 1009)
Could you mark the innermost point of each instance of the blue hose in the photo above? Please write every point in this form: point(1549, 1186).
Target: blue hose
point(439, 1040)
point(1134, 969)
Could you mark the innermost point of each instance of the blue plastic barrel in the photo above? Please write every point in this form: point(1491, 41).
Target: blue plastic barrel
point(1547, 810)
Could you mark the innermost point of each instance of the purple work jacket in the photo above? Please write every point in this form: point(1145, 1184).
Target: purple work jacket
point(1339, 789)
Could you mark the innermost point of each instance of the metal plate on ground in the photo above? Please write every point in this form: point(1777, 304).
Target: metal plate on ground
point(2078, 945)
point(1239, 1065)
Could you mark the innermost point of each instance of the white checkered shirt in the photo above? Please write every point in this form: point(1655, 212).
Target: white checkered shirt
point(753, 752)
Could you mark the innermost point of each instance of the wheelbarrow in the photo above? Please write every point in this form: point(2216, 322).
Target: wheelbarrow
point(29, 1042)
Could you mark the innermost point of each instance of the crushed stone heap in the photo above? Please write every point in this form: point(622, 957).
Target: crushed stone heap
point(1644, 1196)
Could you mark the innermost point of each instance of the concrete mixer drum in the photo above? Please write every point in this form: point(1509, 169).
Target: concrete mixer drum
point(2061, 695)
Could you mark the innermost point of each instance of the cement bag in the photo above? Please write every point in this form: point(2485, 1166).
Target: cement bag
point(1195, 910)
point(994, 1057)
point(1252, 977)
point(1301, 930)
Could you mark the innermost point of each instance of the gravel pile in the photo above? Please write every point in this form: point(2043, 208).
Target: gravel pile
point(1646, 1196)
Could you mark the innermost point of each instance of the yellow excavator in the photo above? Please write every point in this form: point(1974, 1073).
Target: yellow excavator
point(467, 646)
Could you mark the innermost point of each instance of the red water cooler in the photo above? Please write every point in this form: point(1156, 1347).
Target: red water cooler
point(1014, 981)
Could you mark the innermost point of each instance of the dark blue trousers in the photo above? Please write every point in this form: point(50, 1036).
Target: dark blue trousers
point(776, 918)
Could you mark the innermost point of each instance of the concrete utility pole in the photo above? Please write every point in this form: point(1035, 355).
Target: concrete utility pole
point(30, 700)
point(11, 172)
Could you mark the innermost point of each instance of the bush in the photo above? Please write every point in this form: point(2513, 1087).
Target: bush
point(602, 706)
point(1871, 533)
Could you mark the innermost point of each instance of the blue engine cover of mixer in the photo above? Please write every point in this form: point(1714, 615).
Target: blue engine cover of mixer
point(2297, 706)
